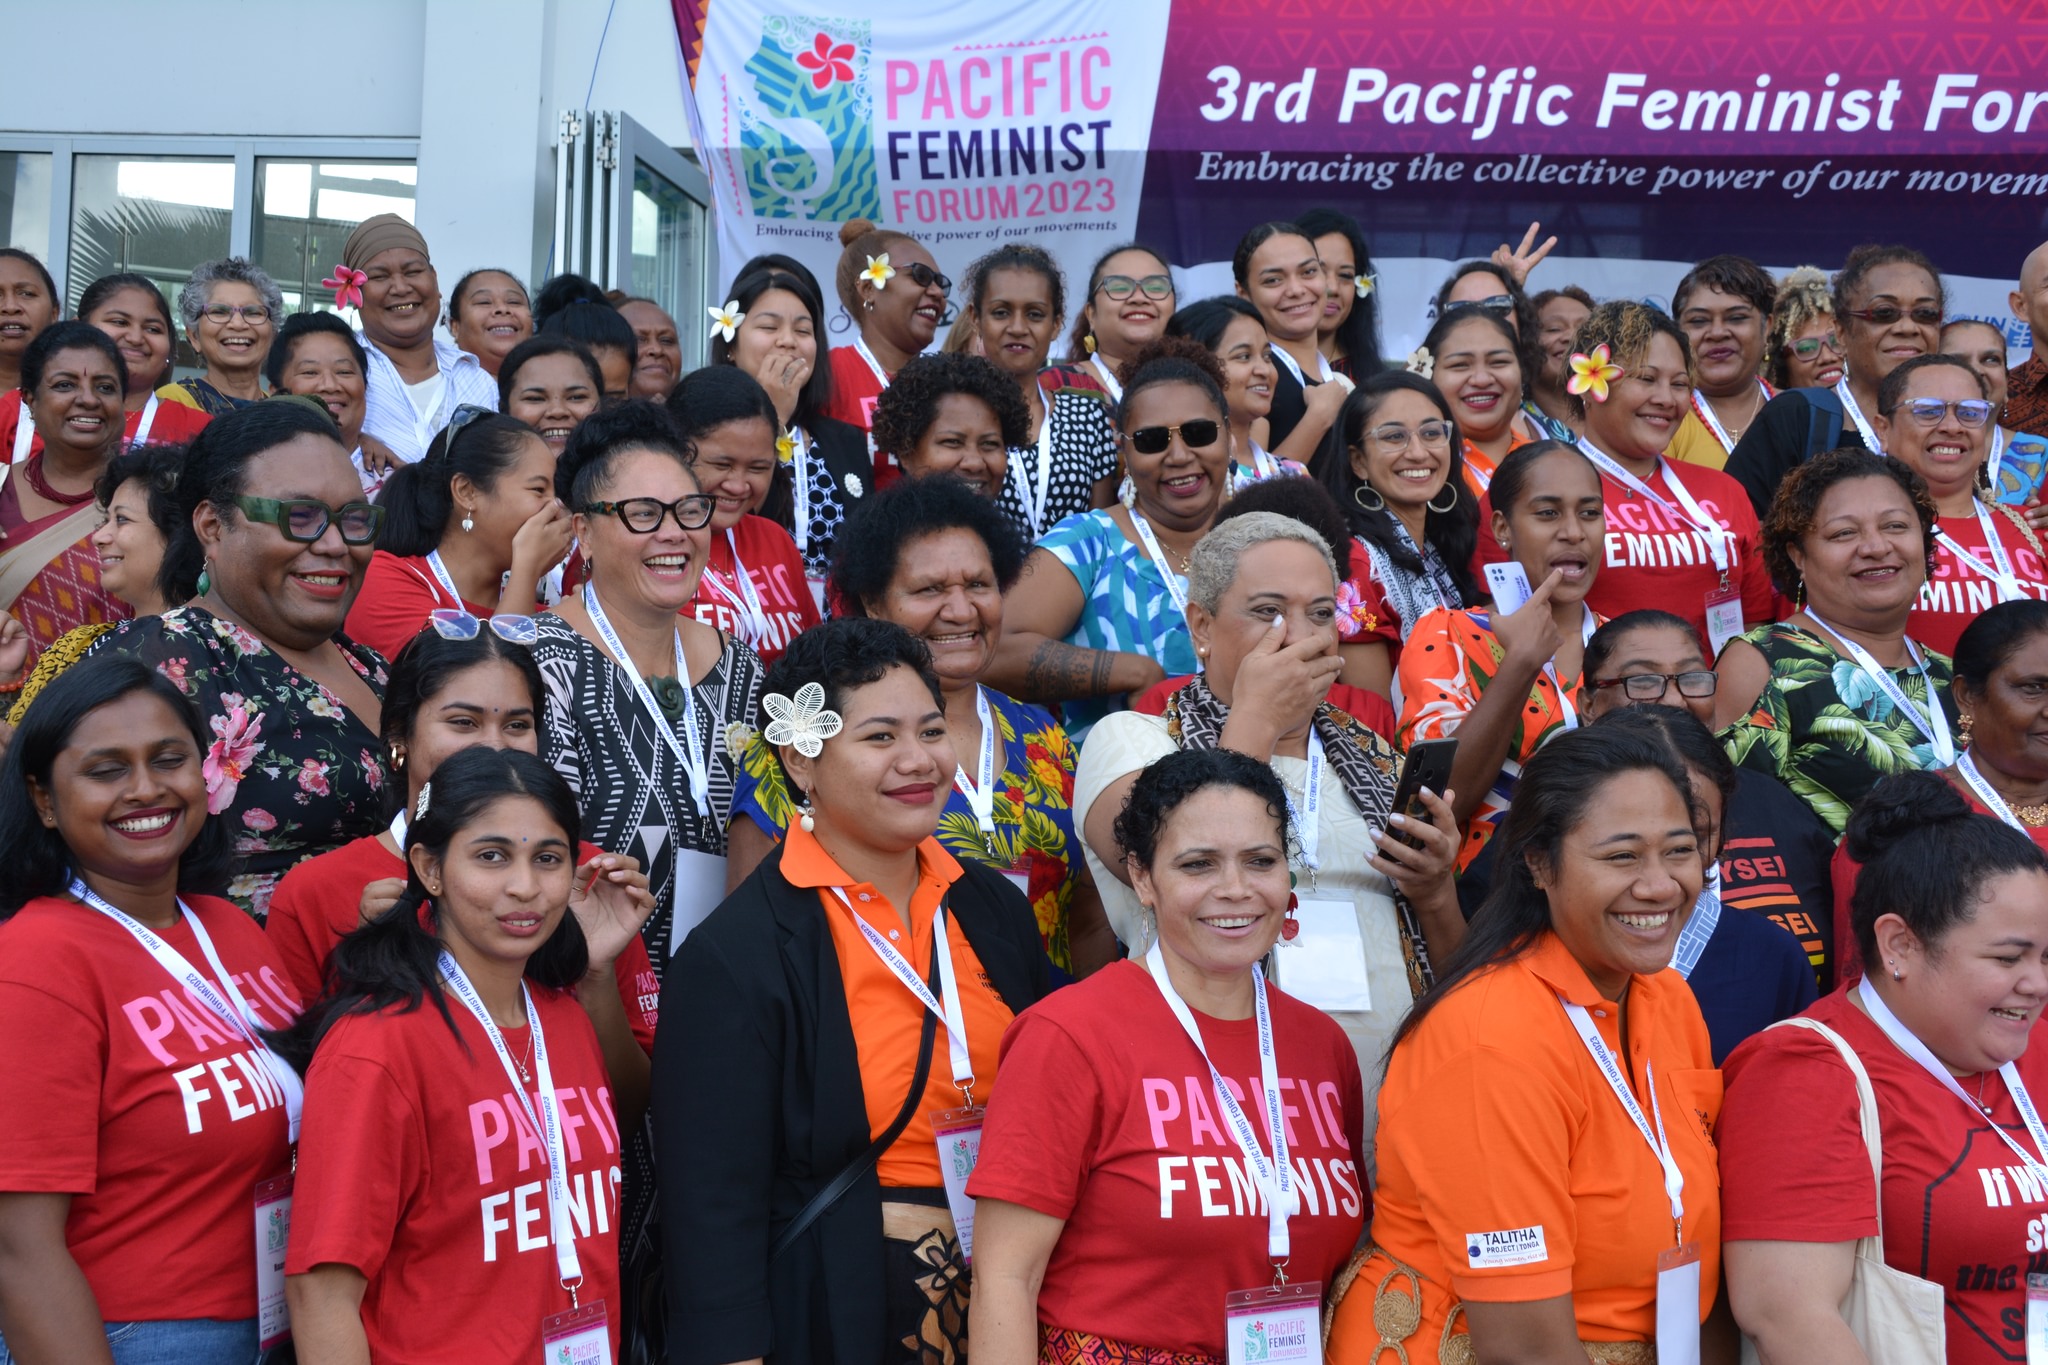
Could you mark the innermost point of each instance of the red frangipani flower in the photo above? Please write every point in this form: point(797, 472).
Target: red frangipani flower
point(827, 62)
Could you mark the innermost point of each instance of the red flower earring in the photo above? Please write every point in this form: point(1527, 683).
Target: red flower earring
point(1290, 926)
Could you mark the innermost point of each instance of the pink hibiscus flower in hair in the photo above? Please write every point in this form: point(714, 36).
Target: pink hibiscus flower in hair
point(229, 757)
point(1354, 617)
point(827, 62)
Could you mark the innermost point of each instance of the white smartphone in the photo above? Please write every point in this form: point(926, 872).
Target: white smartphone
point(1509, 586)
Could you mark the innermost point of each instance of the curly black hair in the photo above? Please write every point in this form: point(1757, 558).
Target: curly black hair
point(1173, 360)
point(1793, 510)
point(599, 439)
point(1018, 256)
point(1168, 783)
point(871, 545)
point(909, 406)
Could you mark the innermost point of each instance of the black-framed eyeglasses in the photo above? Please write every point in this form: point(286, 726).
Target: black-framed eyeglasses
point(643, 516)
point(1121, 287)
point(1203, 431)
point(924, 277)
point(1928, 412)
point(1885, 314)
point(453, 623)
point(1695, 683)
point(1806, 348)
point(305, 520)
point(1397, 437)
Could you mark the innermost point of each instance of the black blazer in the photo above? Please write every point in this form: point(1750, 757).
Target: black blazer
point(758, 1105)
point(844, 449)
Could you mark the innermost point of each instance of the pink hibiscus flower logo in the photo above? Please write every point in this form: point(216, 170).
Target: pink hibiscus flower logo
point(228, 758)
point(827, 62)
point(313, 777)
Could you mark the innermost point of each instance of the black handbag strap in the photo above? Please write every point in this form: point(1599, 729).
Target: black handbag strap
point(865, 1162)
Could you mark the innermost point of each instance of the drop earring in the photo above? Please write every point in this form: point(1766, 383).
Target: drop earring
point(1290, 926)
point(468, 521)
point(205, 584)
point(803, 814)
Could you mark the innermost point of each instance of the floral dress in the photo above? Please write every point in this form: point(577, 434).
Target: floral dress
point(1034, 839)
point(292, 770)
point(1825, 730)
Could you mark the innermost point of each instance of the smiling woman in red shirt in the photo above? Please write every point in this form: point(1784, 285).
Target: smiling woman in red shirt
point(489, 1111)
point(146, 1115)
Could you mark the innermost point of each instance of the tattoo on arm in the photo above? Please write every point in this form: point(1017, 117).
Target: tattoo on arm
point(1058, 671)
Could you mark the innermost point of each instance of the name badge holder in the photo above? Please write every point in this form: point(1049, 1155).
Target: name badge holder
point(2037, 1319)
point(273, 1233)
point(1176, 584)
point(1324, 963)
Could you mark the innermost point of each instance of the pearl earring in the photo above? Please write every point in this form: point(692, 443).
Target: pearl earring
point(803, 818)
point(1897, 975)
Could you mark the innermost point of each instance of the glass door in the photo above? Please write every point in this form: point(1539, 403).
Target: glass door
point(662, 245)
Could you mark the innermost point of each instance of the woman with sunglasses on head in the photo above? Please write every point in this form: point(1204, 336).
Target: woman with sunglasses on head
point(1934, 414)
point(1888, 303)
point(1475, 360)
point(1130, 300)
point(1497, 289)
point(1236, 335)
point(457, 1194)
point(640, 695)
point(146, 1111)
point(896, 297)
point(1349, 333)
point(275, 537)
point(1278, 271)
point(1067, 463)
point(473, 527)
point(231, 309)
point(1100, 612)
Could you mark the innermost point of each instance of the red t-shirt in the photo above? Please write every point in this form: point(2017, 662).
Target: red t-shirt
point(1125, 1144)
point(1656, 559)
point(855, 390)
point(776, 569)
point(418, 1168)
point(1958, 591)
point(174, 424)
point(1960, 1208)
point(395, 599)
point(126, 1093)
point(320, 900)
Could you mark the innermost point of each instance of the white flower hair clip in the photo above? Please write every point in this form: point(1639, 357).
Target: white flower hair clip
point(726, 321)
point(419, 810)
point(1363, 285)
point(879, 272)
point(1422, 362)
point(803, 723)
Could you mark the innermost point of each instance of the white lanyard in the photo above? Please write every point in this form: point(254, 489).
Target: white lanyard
point(800, 486)
point(398, 829)
point(24, 435)
point(1997, 456)
point(547, 1124)
point(142, 427)
point(1855, 412)
point(1308, 818)
point(1988, 794)
point(1116, 390)
point(1263, 463)
point(694, 764)
point(1564, 696)
point(1931, 723)
point(1175, 587)
point(1275, 1177)
point(1034, 506)
point(746, 599)
point(1324, 374)
point(981, 791)
point(237, 1015)
point(1674, 1179)
point(1706, 914)
point(1705, 411)
point(444, 578)
point(1718, 538)
point(2002, 574)
point(947, 1006)
point(1903, 1039)
point(860, 344)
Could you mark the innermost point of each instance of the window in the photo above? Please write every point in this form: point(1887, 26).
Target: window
point(25, 202)
point(305, 210)
point(155, 215)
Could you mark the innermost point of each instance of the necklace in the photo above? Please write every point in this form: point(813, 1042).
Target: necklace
point(33, 472)
point(2033, 816)
point(1756, 406)
point(525, 1076)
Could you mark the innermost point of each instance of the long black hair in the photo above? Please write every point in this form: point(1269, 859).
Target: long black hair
point(38, 861)
point(1558, 789)
point(423, 668)
point(391, 963)
point(1359, 334)
point(419, 498)
point(1454, 533)
point(816, 394)
point(1692, 743)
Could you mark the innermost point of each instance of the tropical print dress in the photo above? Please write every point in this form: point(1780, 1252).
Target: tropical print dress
point(1825, 729)
point(291, 770)
point(1034, 841)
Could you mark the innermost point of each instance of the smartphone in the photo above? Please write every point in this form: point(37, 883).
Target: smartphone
point(1509, 586)
point(1428, 765)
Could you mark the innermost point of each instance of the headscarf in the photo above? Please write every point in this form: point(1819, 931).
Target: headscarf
point(374, 236)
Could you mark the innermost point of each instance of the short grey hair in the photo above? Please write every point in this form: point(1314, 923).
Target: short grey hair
point(1212, 566)
point(198, 290)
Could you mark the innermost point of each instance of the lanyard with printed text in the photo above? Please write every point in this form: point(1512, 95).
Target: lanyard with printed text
point(219, 995)
point(1904, 1039)
point(1275, 1177)
point(947, 1003)
point(1102, 372)
point(1034, 506)
point(1931, 722)
point(1308, 817)
point(860, 344)
point(1988, 794)
point(685, 750)
point(1712, 422)
point(1587, 625)
point(24, 434)
point(980, 790)
point(1610, 1070)
point(142, 427)
point(447, 580)
point(1855, 412)
point(547, 1123)
point(800, 486)
point(2000, 570)
point(1719, 539)
point(1176, 586)
point(1706, 915)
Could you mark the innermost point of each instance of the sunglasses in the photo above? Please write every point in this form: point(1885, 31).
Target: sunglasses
point(1498, 303)
point(305, 520)
point(465, 414)
point(924, 277)
point(1885, 314)
point(1806, 348)
point(643, 516)
point(1928, 412)
point(1203, 431)
point(453, 623)
point(1123, 286)
point(1652, 686)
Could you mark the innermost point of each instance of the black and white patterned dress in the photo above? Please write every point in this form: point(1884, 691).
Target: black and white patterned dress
point(1083, 451)
point(633, 790)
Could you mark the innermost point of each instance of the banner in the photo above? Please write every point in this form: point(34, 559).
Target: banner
point(1644, 135)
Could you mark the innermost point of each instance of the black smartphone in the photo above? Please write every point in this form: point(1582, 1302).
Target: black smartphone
point(1428, 765)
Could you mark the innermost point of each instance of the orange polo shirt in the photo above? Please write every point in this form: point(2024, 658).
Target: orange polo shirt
point(887, 1018)
point(1480, 466)
point(1508, 1170)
